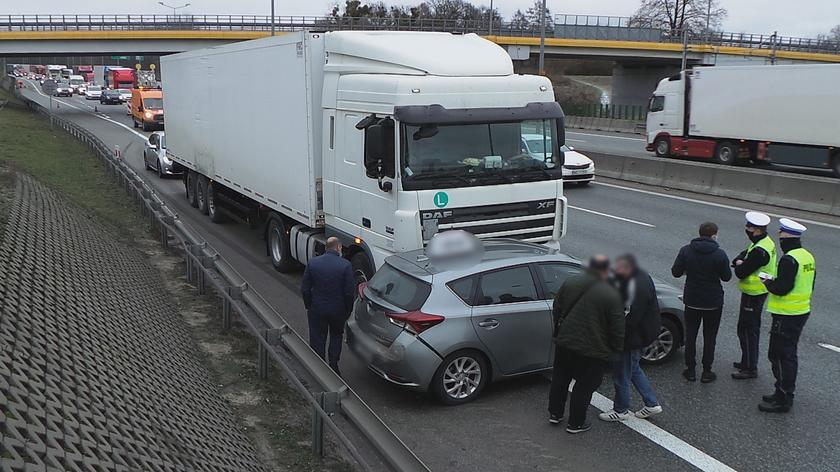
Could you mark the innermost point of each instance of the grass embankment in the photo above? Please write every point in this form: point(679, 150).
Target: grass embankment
point(62, 163)
point(270, 411)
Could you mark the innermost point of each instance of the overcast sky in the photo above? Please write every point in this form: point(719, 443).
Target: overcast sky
point(804, 18)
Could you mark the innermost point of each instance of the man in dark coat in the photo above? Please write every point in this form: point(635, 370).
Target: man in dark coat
point(642, 325)
point(327, 289)
point(589, 334)
point(704, 265)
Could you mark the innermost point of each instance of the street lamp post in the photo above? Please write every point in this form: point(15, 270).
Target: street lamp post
point(490, 29)
point(174, 8)
point(272, 17)
point(542, 38)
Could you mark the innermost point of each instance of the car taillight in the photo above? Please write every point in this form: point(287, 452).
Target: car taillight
point(415, 321)
point(361, 288)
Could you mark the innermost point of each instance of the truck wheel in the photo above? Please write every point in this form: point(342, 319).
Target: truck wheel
point(189, 184)
point(279, 248)
point(662, 147)
point(835, 164)
point(201, 193)
point(726, 153)
point(362, 271)
point(212, 211)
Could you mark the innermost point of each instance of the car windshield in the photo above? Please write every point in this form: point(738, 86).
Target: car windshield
point(398, 288)
point(153, 103)
point(94, 88)
point(445, 156)
point(124, 91)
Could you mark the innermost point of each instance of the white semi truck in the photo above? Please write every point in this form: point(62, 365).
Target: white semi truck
point(784, 114)
point(379, 138)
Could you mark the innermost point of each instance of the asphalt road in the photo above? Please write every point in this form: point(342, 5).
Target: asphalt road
point(506, 429)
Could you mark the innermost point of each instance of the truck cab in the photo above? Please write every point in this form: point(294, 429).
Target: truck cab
point(428, 141)
point(665, 115)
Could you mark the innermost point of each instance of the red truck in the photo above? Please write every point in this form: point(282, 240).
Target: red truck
point(121, 78)
point(87, 73)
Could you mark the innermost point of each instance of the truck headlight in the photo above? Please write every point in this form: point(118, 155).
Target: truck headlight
point(148, 115)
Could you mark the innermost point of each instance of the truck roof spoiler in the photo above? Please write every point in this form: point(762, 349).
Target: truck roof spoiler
point(439, 115)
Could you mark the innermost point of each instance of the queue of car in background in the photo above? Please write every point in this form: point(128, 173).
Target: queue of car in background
point(93, 92)
point(110, 97)
point(63, 89)
point(441, 323)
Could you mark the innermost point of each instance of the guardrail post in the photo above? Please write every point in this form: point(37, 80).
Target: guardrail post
point(262, 356)
point(318, 427)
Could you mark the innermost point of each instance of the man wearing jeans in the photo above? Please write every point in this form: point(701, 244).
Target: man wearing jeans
point(704, 265)
point(642, 325)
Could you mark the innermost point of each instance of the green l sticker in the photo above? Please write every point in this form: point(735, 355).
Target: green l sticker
point(441, 199)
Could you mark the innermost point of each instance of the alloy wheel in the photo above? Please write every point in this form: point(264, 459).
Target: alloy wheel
point(462, 377)
point(660, 347)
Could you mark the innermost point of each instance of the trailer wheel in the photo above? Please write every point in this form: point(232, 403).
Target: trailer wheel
point(201, 193)
point(726, 153)
point(662, 147)
point(279, 248)
point(212, 210)
point(189, 184)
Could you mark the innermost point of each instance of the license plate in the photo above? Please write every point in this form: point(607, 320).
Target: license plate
point(580, 171)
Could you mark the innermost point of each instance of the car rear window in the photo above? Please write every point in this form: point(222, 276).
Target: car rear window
point(399, 289)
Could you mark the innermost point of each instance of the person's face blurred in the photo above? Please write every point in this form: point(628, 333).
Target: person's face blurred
point(622, 269)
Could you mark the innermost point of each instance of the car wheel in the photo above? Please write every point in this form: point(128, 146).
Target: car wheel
point(189, 184)
point(662, 147)
point(160, 170)
point(726, 153)
point(134, 122)
point(279, 248)
point(664, 346)
point(212, 210)
point(461, 377)
point(362, 271)
point(201, 193)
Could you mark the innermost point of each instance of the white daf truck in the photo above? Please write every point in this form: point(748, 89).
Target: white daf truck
point(379, 138)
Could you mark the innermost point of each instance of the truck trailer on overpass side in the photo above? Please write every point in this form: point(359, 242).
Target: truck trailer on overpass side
point(783, 114)
point(379, 138)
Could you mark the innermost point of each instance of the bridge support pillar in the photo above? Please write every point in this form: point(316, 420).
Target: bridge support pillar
point(634, 83)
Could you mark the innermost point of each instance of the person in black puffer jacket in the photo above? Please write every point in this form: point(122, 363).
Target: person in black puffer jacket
point(704, 265)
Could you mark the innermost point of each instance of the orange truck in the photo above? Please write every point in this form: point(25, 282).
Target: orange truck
point(147, 108)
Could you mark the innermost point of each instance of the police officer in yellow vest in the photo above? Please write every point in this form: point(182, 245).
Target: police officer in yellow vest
point(758, 258)
point(790, 305)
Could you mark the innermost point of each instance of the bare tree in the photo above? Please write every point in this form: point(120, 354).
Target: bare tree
point(834, 34)
point(696, 16)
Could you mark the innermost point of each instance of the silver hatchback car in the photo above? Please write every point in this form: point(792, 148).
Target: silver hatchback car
point(452, 330)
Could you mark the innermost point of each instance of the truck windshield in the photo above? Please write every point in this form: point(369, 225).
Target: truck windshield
point(153, 103)
point(445, 156)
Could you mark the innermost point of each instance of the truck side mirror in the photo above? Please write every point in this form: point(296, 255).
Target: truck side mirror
point(379, 151)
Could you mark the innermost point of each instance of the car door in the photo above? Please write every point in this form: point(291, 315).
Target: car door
point(509, 316)
point(150, 150)
point(550, 277)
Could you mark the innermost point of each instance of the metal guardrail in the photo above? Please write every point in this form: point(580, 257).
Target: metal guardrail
point(565, 26)
point(277, 341)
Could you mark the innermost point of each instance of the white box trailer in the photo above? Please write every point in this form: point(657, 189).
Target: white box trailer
point(378, 138)
point(784, 114)
point(260, 138)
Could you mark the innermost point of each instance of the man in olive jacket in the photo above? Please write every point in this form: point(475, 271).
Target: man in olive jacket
point(589, 334)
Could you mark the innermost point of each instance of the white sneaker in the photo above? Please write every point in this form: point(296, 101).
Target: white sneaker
point(649, 411)
point(613, 415)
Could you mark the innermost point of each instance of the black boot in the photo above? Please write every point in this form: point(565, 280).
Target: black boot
point(690, 375)
point(783, 405)
point(776, 397)
point(744, 374)
point(707, 376)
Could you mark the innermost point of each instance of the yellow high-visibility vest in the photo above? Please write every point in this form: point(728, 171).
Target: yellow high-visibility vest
point(798, 300)
point(752, 285)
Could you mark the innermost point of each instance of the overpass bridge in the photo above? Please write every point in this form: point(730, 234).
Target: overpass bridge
point(643, 53)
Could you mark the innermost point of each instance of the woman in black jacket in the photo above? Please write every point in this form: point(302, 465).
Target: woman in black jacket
point(705, 265)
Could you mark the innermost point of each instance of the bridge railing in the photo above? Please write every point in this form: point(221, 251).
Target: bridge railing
point(562, 26)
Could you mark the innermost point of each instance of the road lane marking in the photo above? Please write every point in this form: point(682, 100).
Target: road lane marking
point(607, 215)
point(713, 204)
point(605, 136)
point(830, 347)
point(576, 140)
point(668, 441)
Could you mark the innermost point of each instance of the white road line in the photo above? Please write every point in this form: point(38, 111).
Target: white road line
point(576, 140)
point(605, 136)
point(671, 443)
point(607, 215)
point(713, 204)
point(830, 347)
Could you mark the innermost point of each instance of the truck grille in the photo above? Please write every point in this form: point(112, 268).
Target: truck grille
point(158, 117)
point(528, 221)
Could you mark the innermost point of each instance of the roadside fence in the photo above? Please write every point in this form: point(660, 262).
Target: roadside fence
point(334, 405)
